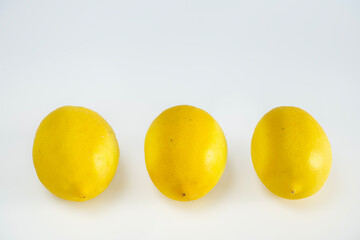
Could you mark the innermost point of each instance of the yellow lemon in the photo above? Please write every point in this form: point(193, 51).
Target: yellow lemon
point(291, 153)
point(75, 153)
point(185, 152)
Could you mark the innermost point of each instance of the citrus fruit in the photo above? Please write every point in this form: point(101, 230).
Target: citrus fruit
point(291, 153)
point(75, 153)
point(185, 152)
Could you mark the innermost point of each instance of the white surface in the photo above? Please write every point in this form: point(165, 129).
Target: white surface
point(130, 60)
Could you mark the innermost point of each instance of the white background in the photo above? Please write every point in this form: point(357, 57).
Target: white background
point(130, 60)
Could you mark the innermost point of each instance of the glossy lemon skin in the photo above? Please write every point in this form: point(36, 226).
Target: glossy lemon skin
point(185, 152)
point(291, 153)
point(75, 153)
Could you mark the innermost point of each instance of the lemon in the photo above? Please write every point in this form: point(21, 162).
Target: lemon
point(291, 153)
point(185, 152)
point(75, 153)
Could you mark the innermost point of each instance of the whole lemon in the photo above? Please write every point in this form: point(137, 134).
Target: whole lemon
point(291, 153)
point(75, 153)
point(185, 152)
